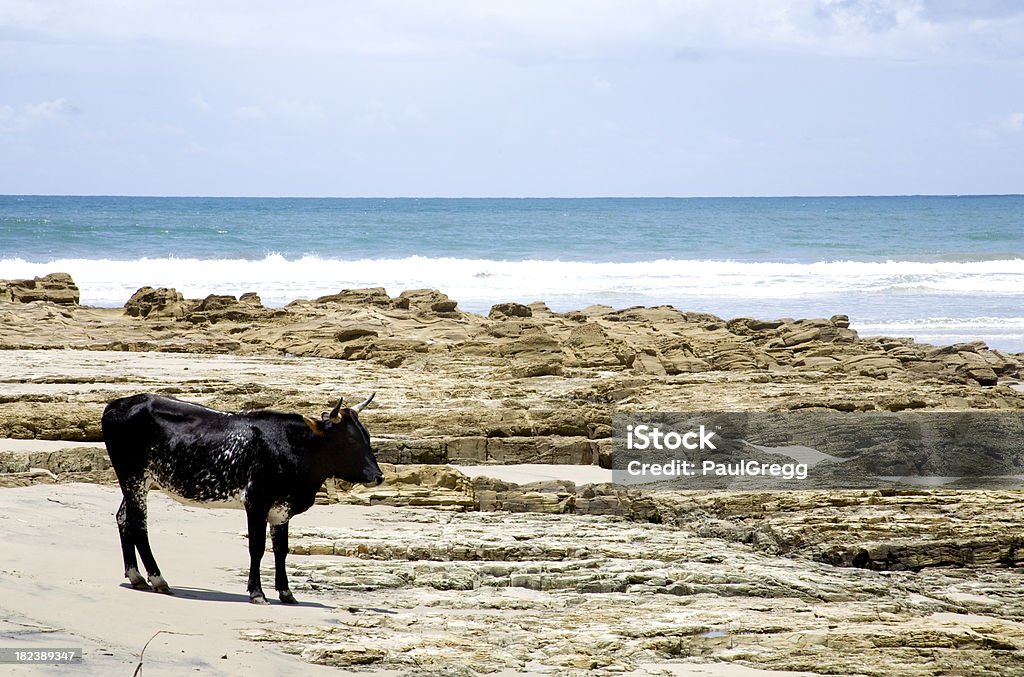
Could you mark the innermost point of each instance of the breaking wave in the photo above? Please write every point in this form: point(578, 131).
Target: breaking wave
point(478, 282)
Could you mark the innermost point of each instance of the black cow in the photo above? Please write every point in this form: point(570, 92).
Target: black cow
point(273, 462)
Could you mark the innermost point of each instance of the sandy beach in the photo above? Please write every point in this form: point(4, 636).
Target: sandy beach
point(62, 586)
point(495, 545)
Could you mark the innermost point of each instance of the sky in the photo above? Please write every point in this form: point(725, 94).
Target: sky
point(511, 98)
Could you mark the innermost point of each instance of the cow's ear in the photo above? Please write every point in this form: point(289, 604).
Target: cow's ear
point(316, 426)
point(325, 416)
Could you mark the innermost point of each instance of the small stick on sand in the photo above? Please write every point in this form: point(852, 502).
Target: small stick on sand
point(138, 667)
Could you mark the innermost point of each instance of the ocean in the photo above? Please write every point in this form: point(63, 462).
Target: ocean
point(938, 269)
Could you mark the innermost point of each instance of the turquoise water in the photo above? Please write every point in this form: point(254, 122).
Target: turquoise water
point(940, 269)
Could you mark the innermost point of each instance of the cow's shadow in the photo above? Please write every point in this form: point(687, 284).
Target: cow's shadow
point(206, 595)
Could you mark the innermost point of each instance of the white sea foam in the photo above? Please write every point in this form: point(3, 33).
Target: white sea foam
point(951, 324)
point(1006, 333)
point(980, 300)
point(479, 282)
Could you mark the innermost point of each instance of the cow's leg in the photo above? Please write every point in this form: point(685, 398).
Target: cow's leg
point(135, 525)
point(257, 544)
point(279, 537)
point(131, 565)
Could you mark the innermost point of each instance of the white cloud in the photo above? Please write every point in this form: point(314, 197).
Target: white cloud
point(1014, 122)
point(600, 84)
point(200, 102)
point(31, 115)
point(49, 110)
point(998, 127)
point(577, 29)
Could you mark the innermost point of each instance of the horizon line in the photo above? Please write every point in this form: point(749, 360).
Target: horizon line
point(510, 197)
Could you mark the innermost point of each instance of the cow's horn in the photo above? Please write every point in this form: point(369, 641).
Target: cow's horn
point(334, 412)
point(362, 405)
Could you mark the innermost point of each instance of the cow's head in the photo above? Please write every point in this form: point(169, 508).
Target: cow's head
point(349, 447)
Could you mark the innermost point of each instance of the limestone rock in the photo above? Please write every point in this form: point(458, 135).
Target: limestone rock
point(225, 308)
point(871, 365)
point(515, 339)
point(56, 288)
point(528, 368)
point(503, 310)
point(592, 346)
point(513, 450)
point(430, 301)
point(355, 332)
point(161, 302)
point(649, 363)
point(374, 296)
point(647, 594)
point(439, 487)
point(679, 357)
point(737, 356)
point(823, 363)
point(808, 580)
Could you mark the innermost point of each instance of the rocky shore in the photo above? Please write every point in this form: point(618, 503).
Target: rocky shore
point(583, 576)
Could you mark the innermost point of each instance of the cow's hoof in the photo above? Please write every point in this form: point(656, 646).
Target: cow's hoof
point(136, 579)
point(160, 585)
point(286, 597)
point(257, 598)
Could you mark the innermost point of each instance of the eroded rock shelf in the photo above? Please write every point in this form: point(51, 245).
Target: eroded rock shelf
point(469, 575)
